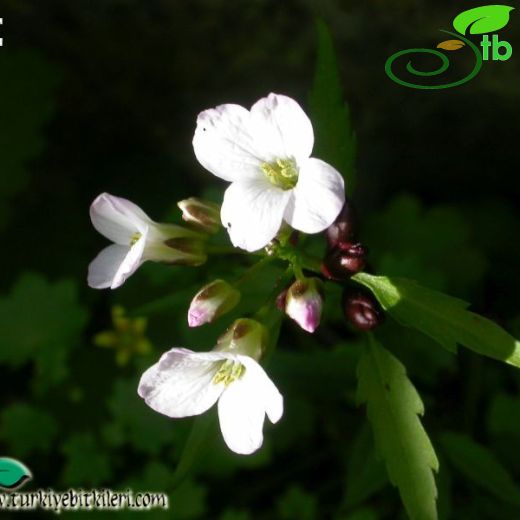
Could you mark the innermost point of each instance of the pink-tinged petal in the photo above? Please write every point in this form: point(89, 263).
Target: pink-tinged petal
point(305, 312)
point(103, 269)
point(243, 405)
point(117, 219)
point(224, 144)
point(252, 212)
point(181, 383)
point(282, 128)
point(317, 198)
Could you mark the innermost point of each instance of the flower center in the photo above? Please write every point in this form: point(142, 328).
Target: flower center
point(283, 173)
point(135, 237)
point(229, 372)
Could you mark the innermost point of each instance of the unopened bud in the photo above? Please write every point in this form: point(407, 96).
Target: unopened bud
point(304, 303)
point(343, 228)
point(344, 261)
point(176, 245)
point(361, 310)
point(281, 299)
point(245, 336)
point(211, 302)
point(202, 214)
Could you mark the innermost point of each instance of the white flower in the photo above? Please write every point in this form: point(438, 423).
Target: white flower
point(265, 154)
point(136, 239)
point(185, 383)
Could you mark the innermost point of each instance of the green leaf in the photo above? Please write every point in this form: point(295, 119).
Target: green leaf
point(479, 465)
point(442, 317)
point(481, 20)
point(503, 407)
point(12, 473)
point(393, 406)
point(41, 322)
point(401, 245)
point(334, 138)
point(201, 428)
point(296, 504)
point(188, 501)
point(87, 463)
point(17, 429)
point(146, 430)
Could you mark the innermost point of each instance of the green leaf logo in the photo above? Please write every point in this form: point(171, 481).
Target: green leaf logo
point(481, 20)
point(13, 473)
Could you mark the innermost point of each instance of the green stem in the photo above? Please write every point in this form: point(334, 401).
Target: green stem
point(225, 250)
point(253, 270)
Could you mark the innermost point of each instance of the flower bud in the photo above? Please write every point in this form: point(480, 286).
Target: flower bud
point(344, 261)
point(203, 214)
point(361, 310)
point(343, 228)
point(176, 245)
point(211, 302)
point(304, 302)
point(245, 336)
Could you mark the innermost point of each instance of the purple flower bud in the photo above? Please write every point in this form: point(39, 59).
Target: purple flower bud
point(343, 228)
point(344, 260)
point(304, 303)
point(361, 310)
point(211, 302)
point(202, 214)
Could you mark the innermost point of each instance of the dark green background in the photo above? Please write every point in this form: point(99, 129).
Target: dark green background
point(103, 96)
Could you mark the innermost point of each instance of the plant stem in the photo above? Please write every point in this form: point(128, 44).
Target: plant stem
point(253, 270)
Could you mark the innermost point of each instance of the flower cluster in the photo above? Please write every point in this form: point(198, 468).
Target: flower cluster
point(277, 191)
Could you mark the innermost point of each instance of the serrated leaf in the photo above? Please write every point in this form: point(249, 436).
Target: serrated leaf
point(393, 406)
point(335, 141)
point(13, 473)
point(484, 19)
point(41, 322)
point(442, 317)
point(451, 45)
point(479, 465)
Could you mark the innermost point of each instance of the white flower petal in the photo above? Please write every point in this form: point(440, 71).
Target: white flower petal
point(282, 129)
point(317, 198)
point(243, 405)
point(224, 145)
point(252, 212)
point(131, 262)
point(103, 269)
point(117, 219)
point(181, 383)
point(272, 398)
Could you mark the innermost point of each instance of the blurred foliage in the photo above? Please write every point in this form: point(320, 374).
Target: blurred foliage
point(103, 96)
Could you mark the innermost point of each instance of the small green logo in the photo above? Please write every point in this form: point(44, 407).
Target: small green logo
point(480, 20)
point(13, 474)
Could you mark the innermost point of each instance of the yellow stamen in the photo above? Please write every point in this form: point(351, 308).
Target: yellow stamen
point(229, 372)
point(282, 173)
point(135, 237)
